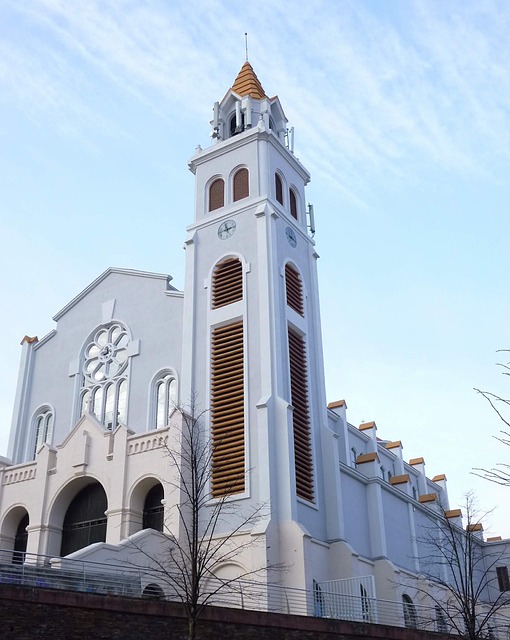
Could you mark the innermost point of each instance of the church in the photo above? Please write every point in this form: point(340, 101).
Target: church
point(95, 410)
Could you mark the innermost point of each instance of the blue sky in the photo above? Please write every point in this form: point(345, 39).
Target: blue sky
point(401, 112)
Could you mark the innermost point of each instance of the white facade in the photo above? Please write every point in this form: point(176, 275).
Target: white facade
point(95, 395)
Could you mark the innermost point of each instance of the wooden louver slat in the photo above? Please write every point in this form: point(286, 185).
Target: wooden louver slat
point(294, 289)
point(227, 283)
point(301, 417)
point(227, 410)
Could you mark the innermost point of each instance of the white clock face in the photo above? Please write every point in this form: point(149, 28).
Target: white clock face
point(226, 229)
point(291, 236)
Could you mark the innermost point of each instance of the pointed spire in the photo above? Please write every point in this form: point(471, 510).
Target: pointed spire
point(247, 83)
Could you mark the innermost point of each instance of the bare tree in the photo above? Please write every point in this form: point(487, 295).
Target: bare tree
point(206, 531)
point(466, 595)
point(500, 473)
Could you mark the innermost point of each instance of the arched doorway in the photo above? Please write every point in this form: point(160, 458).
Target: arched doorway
point(85, 519)
point(20, 541)
point(153, 509)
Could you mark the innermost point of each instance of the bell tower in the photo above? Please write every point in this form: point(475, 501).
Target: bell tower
point(252, 340)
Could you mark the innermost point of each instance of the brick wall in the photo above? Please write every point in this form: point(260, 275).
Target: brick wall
point(29, 613)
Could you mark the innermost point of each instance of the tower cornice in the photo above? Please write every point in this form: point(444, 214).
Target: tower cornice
point(245, 138)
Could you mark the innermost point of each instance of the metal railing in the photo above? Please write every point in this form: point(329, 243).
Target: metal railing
point(327, 600)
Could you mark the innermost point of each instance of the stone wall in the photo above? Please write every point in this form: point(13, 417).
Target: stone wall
point(30, 613)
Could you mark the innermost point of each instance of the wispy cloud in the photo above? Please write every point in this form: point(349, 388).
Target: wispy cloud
point(368, 93)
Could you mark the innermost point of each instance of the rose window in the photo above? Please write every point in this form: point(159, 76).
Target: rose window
point(106, 356)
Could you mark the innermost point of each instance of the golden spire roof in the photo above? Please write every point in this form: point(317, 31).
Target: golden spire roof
point(247, 83)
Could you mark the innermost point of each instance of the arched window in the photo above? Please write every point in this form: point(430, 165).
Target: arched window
point(318, 600)
point(216, 194)
point(294, 289)
point(410, 617)
point(300, 416)
point(165, 397)
point(43, 429)
point(365, 604)
point(278, 187)
point(441, 623)
point(233, 128)
point(241, 184)
point(20, 541)
point(353, 455)
point(382, 472)
point(293, 204)
point(227, 283)
point(105, 371)
point(153, 592)
point(85, 519)
point(153, 509)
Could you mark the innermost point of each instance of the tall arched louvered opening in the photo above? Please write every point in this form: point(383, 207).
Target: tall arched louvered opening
point(227, 385)
point(227, 409)
point(301, 416)
point(21, 540)
point(216, 194)
point(227, 285)
point(278, 187)
point(153, 509)
point(85, 519)
point(294, 289)
point(241, 185)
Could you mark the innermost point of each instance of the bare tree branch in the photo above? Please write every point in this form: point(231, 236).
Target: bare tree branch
point(454, 558)
point(207, 532)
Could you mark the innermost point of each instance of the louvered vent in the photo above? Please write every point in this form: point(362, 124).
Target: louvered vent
point(301, 417)
point(278, 188)
point(216, 194)
point(241, 185)
point(227, 410)
point(294, 289)
point(227, 283)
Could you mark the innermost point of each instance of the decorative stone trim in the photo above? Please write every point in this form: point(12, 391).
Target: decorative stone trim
point(438, 478)
point(366, 425)
point(453, 513)
point(473, 528)
point(19, 476)
point(393, 445)
point(414, 461)
point(29, 340)
point(147, 444)
point(494, 539)
point(403, 479)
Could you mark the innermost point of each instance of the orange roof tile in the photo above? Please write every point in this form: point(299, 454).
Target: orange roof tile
point(427, 497)
point(247, 83)
point(366, 425)
point(403, 479)
point(453, 513)
point(414, 461)
point(393, 445)
point(29, 339)
point(336, 404)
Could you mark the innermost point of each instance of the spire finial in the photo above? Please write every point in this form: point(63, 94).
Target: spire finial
point(246, 44)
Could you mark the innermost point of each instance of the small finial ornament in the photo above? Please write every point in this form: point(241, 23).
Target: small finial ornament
point(246, 44)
